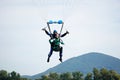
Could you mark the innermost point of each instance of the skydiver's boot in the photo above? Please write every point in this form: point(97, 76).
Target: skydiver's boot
point(60, 59)
point(48, 59)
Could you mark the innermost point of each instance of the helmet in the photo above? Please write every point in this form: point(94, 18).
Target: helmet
point(55, 31)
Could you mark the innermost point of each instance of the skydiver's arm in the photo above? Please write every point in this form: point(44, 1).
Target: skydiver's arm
point(47, 32)
point(64, 34)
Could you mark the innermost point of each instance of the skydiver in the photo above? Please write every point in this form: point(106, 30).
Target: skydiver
point(55, 36)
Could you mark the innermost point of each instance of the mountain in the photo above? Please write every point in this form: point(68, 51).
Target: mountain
point(85, 63)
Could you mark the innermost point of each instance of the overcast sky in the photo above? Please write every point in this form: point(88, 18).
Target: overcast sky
point(94, 26)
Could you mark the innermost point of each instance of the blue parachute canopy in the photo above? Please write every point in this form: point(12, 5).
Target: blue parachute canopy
point(50, 22)
point(60, 22)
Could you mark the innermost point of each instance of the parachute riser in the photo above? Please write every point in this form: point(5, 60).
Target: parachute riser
point(55, 22)
point(61, 29)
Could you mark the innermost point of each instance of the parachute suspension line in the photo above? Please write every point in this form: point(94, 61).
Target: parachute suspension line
point(61, 28)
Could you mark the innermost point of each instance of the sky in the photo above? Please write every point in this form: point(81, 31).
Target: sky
point(94, 26)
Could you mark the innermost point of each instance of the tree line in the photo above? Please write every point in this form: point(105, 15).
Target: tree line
point(102, 74)
point(96, 74)
point(4, 75)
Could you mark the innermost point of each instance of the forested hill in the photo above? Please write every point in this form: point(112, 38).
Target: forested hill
point(85, 63)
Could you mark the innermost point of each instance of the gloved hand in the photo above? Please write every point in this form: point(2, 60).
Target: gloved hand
point(67, 32)
point(51, 40)
point(62, 43)
point(43, 29)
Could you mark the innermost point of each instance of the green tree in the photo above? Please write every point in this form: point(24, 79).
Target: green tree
point(96, 74)
point(44, 77)
point(88, 76)
point(53, 76)
point(105, 74)
point(3, 75)
point(77, 75)
point(66, 76)
point(14, 75)
point(114, 75)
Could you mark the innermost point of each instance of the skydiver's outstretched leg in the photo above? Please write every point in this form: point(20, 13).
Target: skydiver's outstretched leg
point(49, 55)
point(60, 54)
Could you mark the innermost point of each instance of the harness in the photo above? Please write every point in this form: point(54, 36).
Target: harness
point(55, 43)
